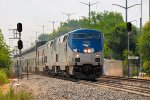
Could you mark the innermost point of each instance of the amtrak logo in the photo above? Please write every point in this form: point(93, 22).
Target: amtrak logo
point(86, 45)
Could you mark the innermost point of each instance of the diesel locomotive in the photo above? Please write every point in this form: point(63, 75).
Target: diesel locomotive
point(77, 54)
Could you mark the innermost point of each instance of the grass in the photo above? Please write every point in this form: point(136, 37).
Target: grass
point(11, 95)
point(18, 96)
point(3, 77)
point(146, 77)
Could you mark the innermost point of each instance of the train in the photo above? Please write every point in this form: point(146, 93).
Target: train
point(77, 54)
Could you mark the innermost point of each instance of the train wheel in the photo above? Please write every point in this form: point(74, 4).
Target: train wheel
point(53, 70)
point(67, 71)
point(46, 70)
point(74, 77)
point(58, 71)
point(62, 73)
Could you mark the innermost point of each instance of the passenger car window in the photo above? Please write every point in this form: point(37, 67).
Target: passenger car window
point(65, 38)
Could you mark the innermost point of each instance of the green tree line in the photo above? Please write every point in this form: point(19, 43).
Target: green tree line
point(144, 47)
point(4, 53)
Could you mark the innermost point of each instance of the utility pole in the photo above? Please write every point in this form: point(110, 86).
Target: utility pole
point(36, 42)
point(19, 55)
point(20, 44)
point(36, 36)
point(43, 26)
point(126, 13)
point(141, 34)
point(89, 4)
point(53, 23)
point(68, 14)
point(126, 8)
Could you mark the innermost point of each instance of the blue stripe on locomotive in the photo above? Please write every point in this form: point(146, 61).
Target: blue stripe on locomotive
point(96, 44)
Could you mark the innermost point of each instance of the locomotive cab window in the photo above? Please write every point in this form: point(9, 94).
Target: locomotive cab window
point(43, 56)
point(86, 36)
point(56, 41)
point(65, 38)
point(51, 43)
point(38, 58)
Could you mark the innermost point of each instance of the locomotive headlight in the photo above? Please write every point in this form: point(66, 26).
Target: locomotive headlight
point(89, 51)
point(77, 55)
point(85, 50)
point(97, 55)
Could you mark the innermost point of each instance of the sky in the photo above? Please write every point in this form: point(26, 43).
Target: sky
point(34, 13)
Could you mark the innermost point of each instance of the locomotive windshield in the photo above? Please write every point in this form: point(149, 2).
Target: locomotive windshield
point(86, 36)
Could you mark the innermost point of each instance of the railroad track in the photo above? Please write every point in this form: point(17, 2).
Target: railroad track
point(125, 79)
point(118, 84)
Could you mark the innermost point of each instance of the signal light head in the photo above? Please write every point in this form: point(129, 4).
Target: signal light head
point(20, 44)
point(129, 26)
point(19, 27)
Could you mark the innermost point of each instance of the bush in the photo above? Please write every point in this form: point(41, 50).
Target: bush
point(146, 67)
point(3, 77)
point(9, 73)
point(12, 96)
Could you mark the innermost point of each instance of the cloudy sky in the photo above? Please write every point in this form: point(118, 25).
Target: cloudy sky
point(33, 13)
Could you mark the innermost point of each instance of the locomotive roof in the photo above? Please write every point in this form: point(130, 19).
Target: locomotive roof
point(85, 31)
point(41, 43)
point(32, 48)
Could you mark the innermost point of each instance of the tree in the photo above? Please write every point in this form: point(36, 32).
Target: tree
point(146, 67)
point(63, 29)
point(104, 22)
point(144, 47)
point(144, 42)
point(44, 37)
point(118, 41)
point(5, 60)
point(68, 26)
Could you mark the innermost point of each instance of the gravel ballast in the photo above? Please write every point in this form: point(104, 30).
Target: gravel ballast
point(47, 88)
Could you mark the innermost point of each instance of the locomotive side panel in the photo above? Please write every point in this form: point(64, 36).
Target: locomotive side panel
point(41, 54)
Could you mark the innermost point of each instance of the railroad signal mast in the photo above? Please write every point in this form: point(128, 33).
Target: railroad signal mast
point(129, 28)
point(20, 44)
point(19, 29)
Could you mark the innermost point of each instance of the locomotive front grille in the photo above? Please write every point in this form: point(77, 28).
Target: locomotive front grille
point(77, 59)
point(97, 59)
point(87, 69)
